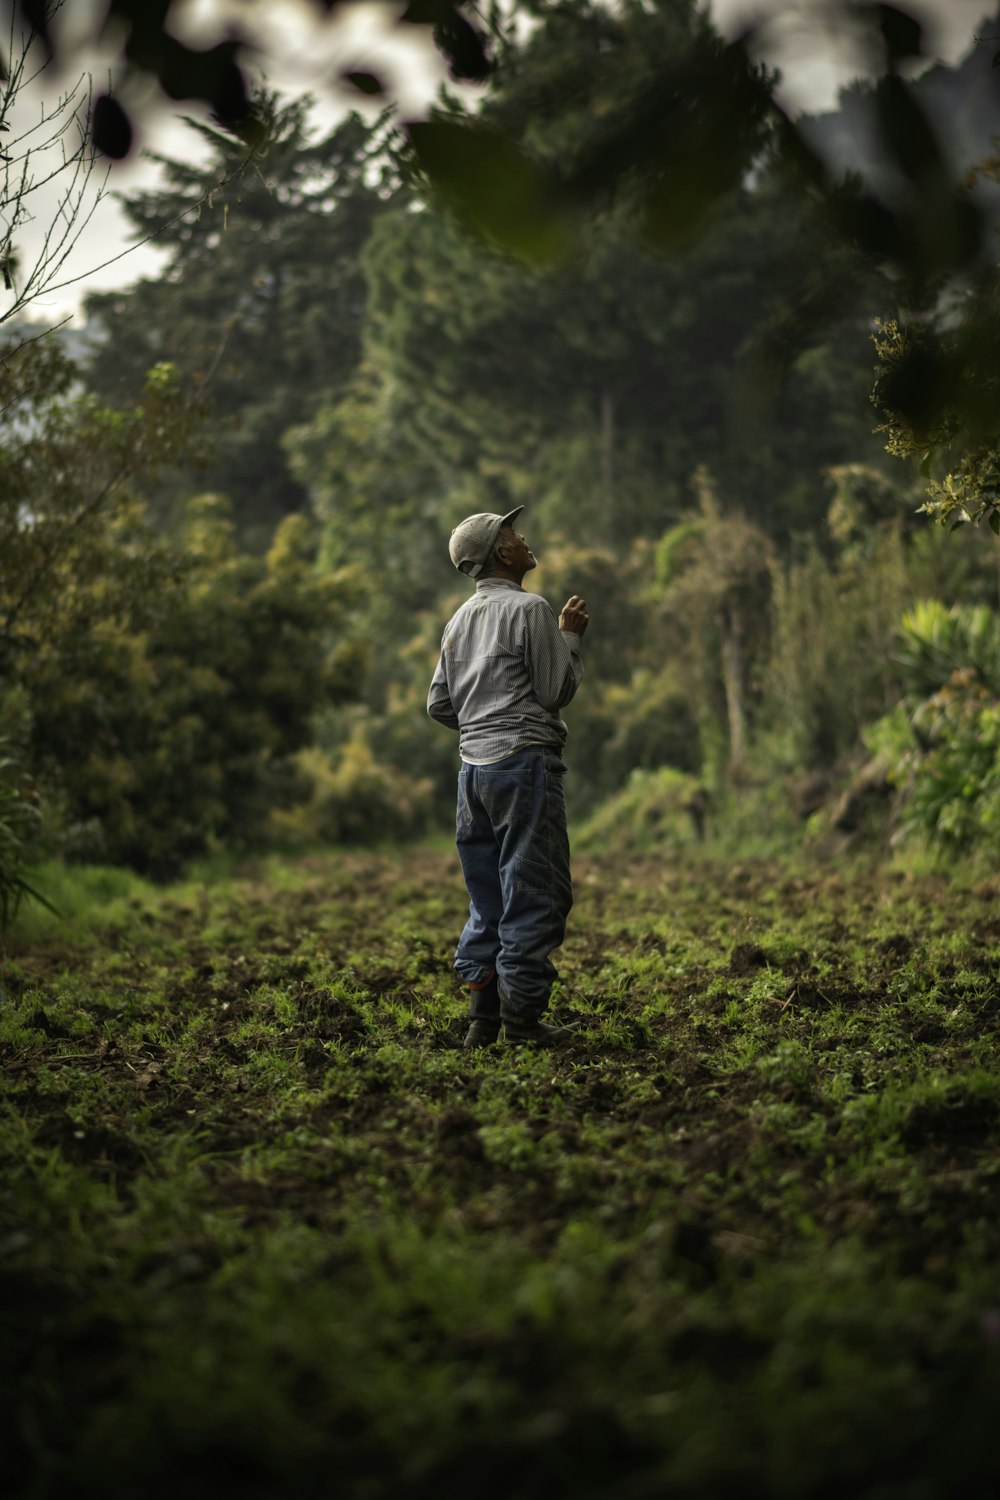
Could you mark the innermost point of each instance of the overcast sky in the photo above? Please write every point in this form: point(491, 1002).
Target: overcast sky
point(816, 58)
point(304, 53)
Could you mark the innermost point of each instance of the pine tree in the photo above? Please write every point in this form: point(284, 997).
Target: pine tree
point(261, 300)
point(598, 386)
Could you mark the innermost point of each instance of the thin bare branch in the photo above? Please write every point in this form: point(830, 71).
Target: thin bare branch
point(194, 208)
point(24, 177)
point(63, 127)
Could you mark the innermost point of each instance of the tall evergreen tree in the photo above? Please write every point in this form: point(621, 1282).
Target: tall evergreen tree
point(262, 299)
point(599, 386)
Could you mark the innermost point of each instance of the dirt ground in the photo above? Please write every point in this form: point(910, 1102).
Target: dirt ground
point(254, 1188)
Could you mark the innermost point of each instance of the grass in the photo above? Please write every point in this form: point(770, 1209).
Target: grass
point(267, 1230)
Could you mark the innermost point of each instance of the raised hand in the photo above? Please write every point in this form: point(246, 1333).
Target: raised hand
point(573, 615)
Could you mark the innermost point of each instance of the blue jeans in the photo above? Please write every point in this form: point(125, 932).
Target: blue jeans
point(514, 851)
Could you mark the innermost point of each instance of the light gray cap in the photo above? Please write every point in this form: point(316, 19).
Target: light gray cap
point(473, 539)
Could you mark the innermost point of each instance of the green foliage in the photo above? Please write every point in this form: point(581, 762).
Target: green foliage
point(383, 522)
point(495, 187)
point(833, 663)
point(938, 641)
point(713, 581)
point(686, 126)
point(828, 672)
point(19, 819)
point(365, 359)
point(68, 470)
point(164, 739)
point(936, 393)
point(598, 386)
point(378, 499)
point(641, 721)
point(943, 742)
point(643, 105)
point(597, 390)
point(352, 798)
point(261, 302)
point(157, 688)
point(259, 1209)
point(655, 812)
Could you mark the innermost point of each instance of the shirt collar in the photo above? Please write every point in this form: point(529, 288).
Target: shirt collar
point(498, 583)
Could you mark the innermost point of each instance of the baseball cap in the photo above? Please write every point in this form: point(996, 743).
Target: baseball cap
point(473, 539)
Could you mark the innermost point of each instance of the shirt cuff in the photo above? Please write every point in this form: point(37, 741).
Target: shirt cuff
point(573, 640)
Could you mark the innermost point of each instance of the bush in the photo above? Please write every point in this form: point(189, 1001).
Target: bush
point(19, 821)
point(160, 683)
point(653, 811)
point(937, 642)
point(353, 799)
point(943, 742)
point(944, 756)
point(835, 653)
point(829, 672)
point(166, 724)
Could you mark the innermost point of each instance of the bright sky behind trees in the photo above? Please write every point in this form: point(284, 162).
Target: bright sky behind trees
point(300, 52)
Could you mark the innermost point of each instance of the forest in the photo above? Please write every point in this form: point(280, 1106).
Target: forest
point(265, 1228)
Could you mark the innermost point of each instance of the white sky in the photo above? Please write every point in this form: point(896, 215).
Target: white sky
point(306, 52)
point(816, 57)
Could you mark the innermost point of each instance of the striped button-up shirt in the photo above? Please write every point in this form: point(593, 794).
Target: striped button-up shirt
point(505, 670)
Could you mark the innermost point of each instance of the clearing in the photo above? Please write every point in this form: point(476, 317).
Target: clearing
point(267, 1230)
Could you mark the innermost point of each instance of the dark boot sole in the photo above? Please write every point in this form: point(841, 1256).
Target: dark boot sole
point(544, 1036)
point(482, 1033)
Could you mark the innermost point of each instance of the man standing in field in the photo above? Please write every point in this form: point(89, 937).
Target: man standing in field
point(507, 666)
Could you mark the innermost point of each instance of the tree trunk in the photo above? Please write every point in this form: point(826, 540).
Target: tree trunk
point(731, 634)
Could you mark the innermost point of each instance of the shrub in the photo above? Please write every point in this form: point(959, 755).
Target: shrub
point(835, 651)
point(654, 810)
point(943, 742)
point(19, 821)
point(937, 642)
point(165, 723)
point(353, 799)
point(829, 672)
point(944, 756)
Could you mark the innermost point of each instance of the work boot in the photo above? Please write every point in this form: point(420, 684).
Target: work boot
point(530, 1031)
point(482, 1032)
point(484, 1014)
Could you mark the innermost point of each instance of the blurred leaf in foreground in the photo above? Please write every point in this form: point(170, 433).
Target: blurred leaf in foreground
point(494, 186)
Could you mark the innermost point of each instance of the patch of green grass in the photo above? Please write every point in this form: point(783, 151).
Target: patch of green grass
point(83, 895)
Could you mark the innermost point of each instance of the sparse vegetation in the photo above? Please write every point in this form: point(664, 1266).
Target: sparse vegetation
point(266, 1223)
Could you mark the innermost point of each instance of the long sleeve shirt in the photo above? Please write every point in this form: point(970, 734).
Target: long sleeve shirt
point(505, 670)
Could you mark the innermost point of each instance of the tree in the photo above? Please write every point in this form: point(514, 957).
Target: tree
point(66, 466)
point(380, 500)
point(597, 386)
point(155, 689)
point(261, 300)
point(679, 137)
point(714, 576)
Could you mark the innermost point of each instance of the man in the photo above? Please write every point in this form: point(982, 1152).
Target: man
point(507, 666)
